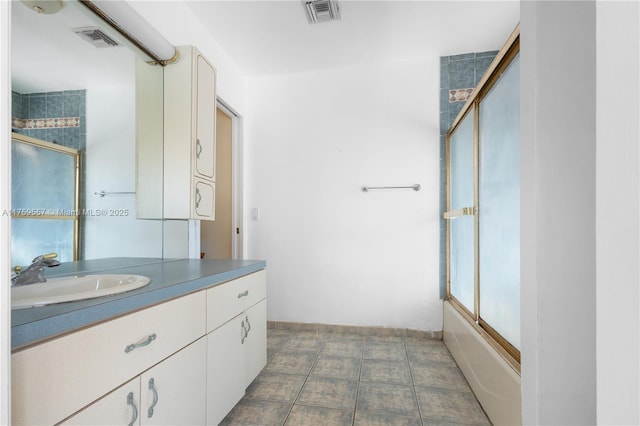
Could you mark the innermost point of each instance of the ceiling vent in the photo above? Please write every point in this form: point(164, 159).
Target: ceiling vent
point(96, 37)
point(321, 10)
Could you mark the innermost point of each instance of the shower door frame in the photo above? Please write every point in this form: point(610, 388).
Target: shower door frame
point(76, 196)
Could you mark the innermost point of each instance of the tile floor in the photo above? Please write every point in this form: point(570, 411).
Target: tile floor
point(327, 379)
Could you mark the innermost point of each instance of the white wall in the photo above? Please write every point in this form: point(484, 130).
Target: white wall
point(618, 212)
point(558, 212)
point(580, 212)
point(337, 255)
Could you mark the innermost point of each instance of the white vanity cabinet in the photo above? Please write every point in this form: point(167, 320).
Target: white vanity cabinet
point(236, 340)
point(171, 393)
point(55, 379)
point(199, 352)
point(189, 137)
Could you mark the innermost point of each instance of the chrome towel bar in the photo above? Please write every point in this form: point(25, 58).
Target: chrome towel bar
point(103, 193)
point(415, 187)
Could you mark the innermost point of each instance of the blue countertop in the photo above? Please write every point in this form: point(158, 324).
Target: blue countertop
point(169, 279)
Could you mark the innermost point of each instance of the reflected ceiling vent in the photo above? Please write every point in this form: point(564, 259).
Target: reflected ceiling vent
point(321, 10)
point(96, 36)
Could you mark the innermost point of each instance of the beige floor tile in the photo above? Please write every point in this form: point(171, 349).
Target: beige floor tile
point(303, 343)
point(376, 338)
point(365, 418)
point(328, 393)
point(338, 367)
point(430, 353)
point(346, 348)
point(329, 378)
point(422, 341)
point(438, 376)
point(394, 351)
point(388, 399)
point(341, 337)
point(254, 413)
point(291, 362)
point(450, 406)
point(375, 370)
point(302, 415)
point(275, 387)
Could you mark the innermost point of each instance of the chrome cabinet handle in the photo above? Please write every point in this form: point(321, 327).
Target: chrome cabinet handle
point(243, 294)
point(198, 197)
point(248, 324)
point(143, 342)
point(132, 403)
point(152, 387)
point(243, 333)
point(198, 148)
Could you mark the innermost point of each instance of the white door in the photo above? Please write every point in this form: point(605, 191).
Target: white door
point(216, 237)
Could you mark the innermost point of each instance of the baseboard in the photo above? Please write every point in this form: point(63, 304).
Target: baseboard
point(493, 380)
point(352, 329)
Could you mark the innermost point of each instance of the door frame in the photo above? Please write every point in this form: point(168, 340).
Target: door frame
point(237, 225)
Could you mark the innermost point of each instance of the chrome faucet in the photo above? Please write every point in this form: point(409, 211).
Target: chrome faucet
point(34, 273)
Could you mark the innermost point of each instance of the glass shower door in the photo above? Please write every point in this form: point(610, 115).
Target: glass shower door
point(44, 200)
point(499, 201)
point(460, 214)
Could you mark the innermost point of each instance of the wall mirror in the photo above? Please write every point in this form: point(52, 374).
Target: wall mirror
point(72, 88)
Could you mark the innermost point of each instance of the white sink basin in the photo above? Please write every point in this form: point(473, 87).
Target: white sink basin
point(67, 289)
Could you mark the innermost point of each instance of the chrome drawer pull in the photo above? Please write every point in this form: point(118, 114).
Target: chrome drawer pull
point(155, 397)
point(132, 403)
point(243, 294)
point(141, 343)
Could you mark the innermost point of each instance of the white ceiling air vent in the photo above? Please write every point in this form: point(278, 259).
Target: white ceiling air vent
point(321, 10)
point(96, 36)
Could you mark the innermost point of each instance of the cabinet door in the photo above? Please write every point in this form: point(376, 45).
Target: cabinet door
point(256, 341)
point(120, 407)
point(204, 200)
point(205, 148)
point(225, 368)
point(174, 391)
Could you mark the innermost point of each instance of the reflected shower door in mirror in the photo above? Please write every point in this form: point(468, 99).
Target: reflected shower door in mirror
point(84, 95)
point(44, 200)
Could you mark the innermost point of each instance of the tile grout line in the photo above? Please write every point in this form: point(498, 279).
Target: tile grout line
point(355, 405)
point(413, 383)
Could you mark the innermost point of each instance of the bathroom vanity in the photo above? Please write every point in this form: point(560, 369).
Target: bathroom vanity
point(181, 350)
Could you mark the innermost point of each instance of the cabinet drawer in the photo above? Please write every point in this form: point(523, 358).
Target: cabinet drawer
point(227, 300)
point(63, 375)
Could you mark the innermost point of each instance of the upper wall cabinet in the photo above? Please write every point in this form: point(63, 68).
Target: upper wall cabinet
point(189, 137)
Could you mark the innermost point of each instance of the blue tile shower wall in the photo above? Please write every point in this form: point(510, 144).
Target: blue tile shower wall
point(456, 72)
point(69, 103)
